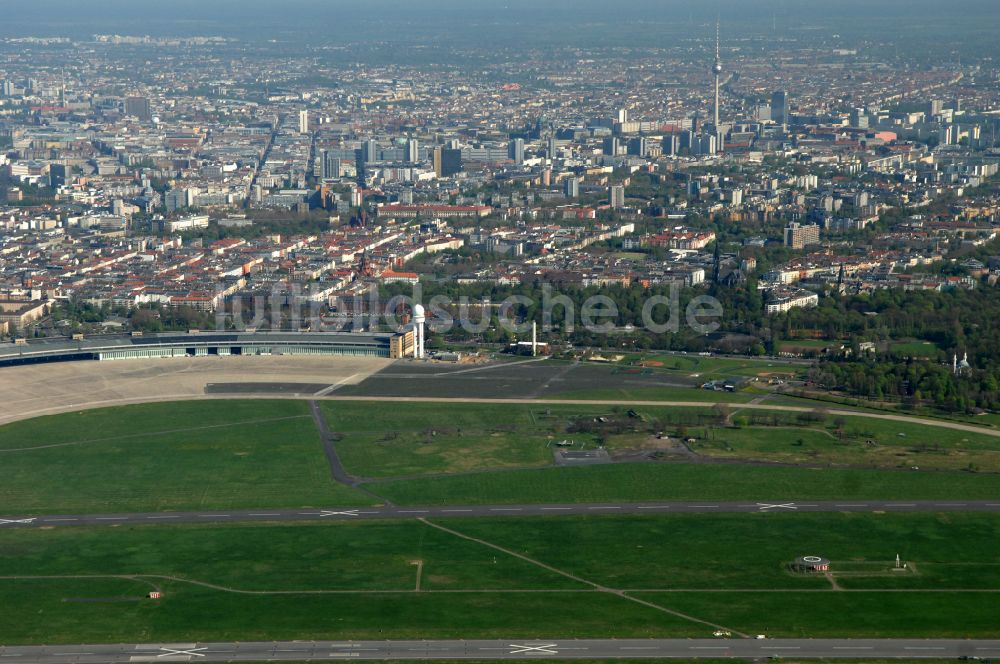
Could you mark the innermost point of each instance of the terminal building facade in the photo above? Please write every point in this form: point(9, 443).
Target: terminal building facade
point(208, 344)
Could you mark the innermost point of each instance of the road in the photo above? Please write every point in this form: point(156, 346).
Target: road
point(514, 649)
point(404, 512)
point(337, 470)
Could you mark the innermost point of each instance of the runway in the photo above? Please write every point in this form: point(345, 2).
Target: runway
point(514, 649)
point(406, 512)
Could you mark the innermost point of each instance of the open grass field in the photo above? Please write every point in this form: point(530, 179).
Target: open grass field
point(231, 454)
point(420, 439)
point(657, 394)
point(173, 456)
point(654, 481)
point(360, 581)
point(718, 367)
point(986, 421)
point(424, 439)
point(200, 614)
point(250, 558)
point(874, 615)
point(634, 256)
point(853, 441)
point(915, 349)
point(455, 578)
point(128, 422)
point(415, 439)
point(842, 403)
point(751, 552)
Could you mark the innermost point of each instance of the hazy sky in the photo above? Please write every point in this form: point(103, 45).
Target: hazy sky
point(601, 10)
point(460, 20)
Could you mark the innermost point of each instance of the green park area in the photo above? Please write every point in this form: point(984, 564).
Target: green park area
point(666, 394)
point(418, 440)
point(229, 454)
point(636, 482)
point(505, 577)
point(716, 367)
point(819, 438)
point(915, 349)
point(175, 456)
point(683, 575)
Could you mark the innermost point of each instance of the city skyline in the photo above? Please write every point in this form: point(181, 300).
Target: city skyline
point(499, 331)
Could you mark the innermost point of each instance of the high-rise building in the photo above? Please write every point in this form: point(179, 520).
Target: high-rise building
point(611, 146)
point(357, 197)
point(331, 165)
point(515, 150)
point(798, 236)
point(369, 150)
point(138, 107)
point(934, 107)
point(447, 161)
point(7, 88)
point(571, 187)
point(616, 196)
point(303, 122)
point(552, 149)
point(361, 173)
point(671, 144)
point(638, 146)
point(779, 107)
point(177, 199)
point(707, 144)
point(58, 175)
point(687, 140)
point(412, 151)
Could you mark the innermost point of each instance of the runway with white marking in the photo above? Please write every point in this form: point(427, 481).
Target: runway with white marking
point(514, 649)
point(404, 512)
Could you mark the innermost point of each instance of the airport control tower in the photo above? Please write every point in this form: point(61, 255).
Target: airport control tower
point(419, 318)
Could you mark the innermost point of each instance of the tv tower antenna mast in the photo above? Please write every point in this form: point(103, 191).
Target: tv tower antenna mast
point(717, 70)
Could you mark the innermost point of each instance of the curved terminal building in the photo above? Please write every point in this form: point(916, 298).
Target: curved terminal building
point(204, 344)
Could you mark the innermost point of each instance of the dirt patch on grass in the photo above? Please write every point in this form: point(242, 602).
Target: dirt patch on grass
point(439, 578)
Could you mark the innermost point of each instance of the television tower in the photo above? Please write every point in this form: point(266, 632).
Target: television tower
point(717, 70)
